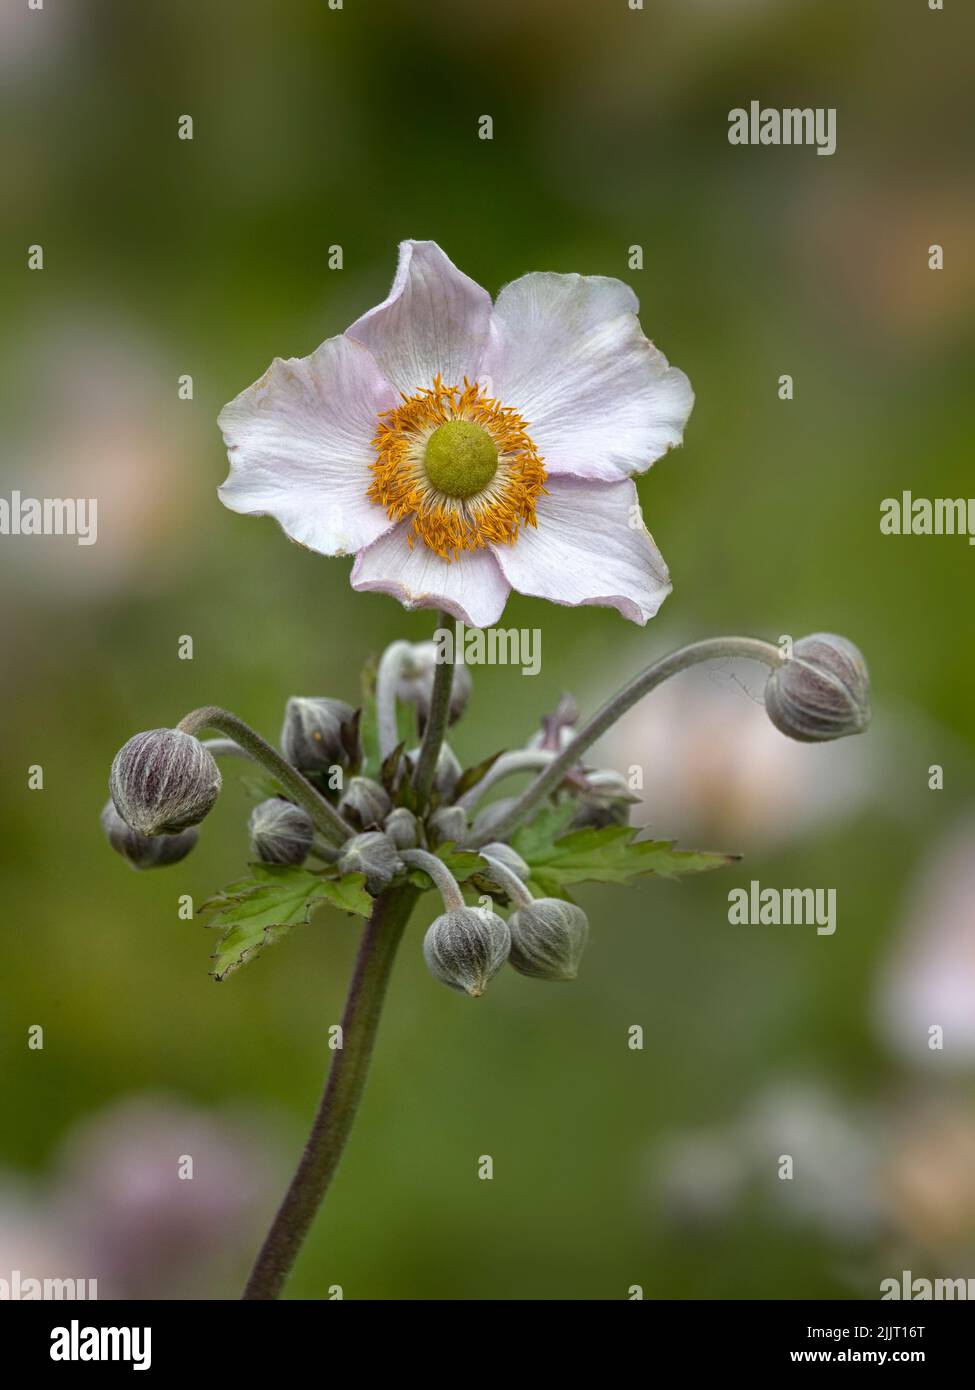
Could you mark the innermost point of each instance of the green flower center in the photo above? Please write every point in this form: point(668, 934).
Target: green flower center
point(461, 458)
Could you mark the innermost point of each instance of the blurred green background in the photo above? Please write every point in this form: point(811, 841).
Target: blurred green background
point(358, 127)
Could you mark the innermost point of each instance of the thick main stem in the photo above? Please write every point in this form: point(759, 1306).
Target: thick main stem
point(340, 1101)
point(324, 815)
point(436, 727)
point(709, 650)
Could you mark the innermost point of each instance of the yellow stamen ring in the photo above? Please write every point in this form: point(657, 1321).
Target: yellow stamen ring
point(459, 465)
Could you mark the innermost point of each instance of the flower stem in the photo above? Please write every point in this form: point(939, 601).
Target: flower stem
point(226, 748)
point(509, 881)
point(325, 816)
point(520, 760)
point(654, 675)
point(447, 886)
point(433, 734)
point(387, 678)
point(340, 1101)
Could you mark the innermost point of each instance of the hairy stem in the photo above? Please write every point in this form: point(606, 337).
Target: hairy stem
point(546, 782)
point(387, 679)
point(226, 748)
point(324, 815)
point(509, 881)
point(436, 727)
point(447, 885)
point(521, 760)
point(340, 1101)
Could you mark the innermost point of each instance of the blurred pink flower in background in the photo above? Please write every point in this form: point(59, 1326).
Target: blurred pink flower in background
point(103, 420)
point(704, 1177)
point(929, 977)
point(142, 1228)
point(890, 1180)
point(115, 1207)
point(716, 771)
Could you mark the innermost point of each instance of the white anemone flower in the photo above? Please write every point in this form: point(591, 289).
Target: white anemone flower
point(461, 449)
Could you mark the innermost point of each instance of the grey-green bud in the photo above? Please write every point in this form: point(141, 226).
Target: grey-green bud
point(365, 804)
point(466, 947)
point(401, 827)
point(548, 938)
point(821, 692)
point(415, 685)
point(280, 832)
point(319, 734)
point(374, 855)
point(605, 800)
point(448, 823)
point(144, 851)
point(446, 774)
point(509, 857)
point(163, 781)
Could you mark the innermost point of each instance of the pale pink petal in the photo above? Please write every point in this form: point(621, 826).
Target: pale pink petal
point(567, 352)
point(299, 444)
point(471, 587)
point(590, 547)
point(435, 320)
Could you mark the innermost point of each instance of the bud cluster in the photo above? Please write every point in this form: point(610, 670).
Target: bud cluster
point(381, 818)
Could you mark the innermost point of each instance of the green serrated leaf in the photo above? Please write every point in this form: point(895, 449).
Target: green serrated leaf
point(538, 835)
point(613, 854)
point(256, 912)
point(348, 893)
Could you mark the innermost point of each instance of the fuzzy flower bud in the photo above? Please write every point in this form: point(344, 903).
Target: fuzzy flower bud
point(400, 825)
point(374, 855)
point(446, 774)
point(144, 851)
point(319, 734)
point(280, 832)
point(548, 938)
point(605, 800)
point(415, 685)
point(466, 947)
point(448, 823)
point(822, 692)
point(510, 858)
point(163, 781)
point(365, 804)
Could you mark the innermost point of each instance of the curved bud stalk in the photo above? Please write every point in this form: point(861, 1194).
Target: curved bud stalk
point(324, 815)
point(519, 760)
point(508, 858)
point(545, 783)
